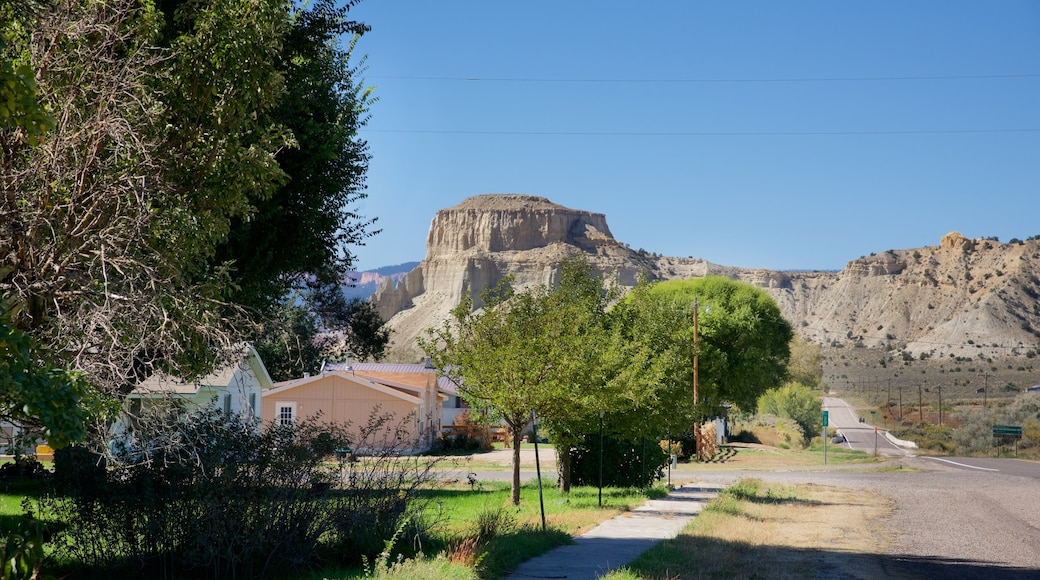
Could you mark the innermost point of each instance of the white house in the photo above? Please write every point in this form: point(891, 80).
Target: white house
point(234, 388)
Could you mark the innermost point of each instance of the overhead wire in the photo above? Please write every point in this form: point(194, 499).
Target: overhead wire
point(702, 133)
point(706, 80)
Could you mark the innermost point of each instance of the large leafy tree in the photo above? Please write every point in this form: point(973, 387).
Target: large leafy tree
point(86, 244)
point(171, 120)
point(806, 366)
point(742, 348)
point(534, 351)
point(317, 326)
point(300, 236)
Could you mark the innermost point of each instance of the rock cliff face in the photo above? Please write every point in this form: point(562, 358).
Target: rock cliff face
point(964, 297)
point(475, 244)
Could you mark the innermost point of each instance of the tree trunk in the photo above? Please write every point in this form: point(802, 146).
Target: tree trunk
point(563, 443)
point(516, 430)
point(563, 460)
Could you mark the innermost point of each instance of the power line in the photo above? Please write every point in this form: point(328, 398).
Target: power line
point(708, 80)
point(702, 133)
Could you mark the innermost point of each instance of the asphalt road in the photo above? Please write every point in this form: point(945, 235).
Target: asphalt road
point(859, 436)
point(952, 517)
point(1028, 469)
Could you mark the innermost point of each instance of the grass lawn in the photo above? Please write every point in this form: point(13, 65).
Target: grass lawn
point(480, 526)
point(12, 493)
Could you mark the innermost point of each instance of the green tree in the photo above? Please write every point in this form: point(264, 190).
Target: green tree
point(218, 87)
point(742, 347)
point(806, 365)
point(525, 352)
point(45, 400)
point(304, 230)
point(119, 230)
point(796, 402)
point(323, 325)
point(86, 274)
point(743, 339)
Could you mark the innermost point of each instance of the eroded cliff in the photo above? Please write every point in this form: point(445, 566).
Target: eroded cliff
point(962, 297)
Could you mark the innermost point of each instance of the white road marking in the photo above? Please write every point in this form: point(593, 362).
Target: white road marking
point(962, 464)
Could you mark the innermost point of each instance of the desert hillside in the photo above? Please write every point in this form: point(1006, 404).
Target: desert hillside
point(961, 298)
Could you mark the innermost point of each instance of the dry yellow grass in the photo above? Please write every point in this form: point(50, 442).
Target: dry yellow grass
point(803, 531)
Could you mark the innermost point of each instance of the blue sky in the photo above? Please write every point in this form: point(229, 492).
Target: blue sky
point(781, 135)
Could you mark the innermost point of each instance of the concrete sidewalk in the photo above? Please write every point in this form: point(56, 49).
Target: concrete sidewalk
point(617, 542)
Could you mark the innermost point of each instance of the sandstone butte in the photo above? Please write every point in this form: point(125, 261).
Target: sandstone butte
point(961, 297)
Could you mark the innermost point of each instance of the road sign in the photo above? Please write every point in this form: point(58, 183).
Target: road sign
point(1009, 431)
point(825, 418)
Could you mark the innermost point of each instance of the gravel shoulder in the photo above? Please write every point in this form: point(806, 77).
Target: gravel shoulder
point(942, 522)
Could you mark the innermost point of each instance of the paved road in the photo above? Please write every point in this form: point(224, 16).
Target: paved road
point(952, 517)
point(1029, 469)
point(859, 436)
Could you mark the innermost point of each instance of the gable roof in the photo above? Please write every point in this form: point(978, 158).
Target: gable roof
point(414, 374)
point(164, 384)
point(403, 392)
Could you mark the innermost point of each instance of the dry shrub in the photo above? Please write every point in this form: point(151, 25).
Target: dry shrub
point(466, 552)
point(707, 441)
point(203, 494)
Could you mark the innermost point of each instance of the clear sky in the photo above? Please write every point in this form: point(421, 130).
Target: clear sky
point(781, 135)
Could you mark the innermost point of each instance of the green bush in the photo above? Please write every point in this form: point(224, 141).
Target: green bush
point(626, 463)
point(23, 550)
point(796, 402)
point(494, 521)
point(200, 493)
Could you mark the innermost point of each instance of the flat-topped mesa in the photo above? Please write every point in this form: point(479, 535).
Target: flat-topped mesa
point(477, 243)
point(513, 222)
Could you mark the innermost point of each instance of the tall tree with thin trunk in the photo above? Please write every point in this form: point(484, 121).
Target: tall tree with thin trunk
point(525, 352)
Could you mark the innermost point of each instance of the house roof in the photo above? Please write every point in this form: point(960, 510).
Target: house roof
point(414, 374)
point(164, 384)
point(405, 392)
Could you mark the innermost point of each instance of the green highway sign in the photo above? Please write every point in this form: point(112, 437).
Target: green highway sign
point(825, 418)
point(1014, 431)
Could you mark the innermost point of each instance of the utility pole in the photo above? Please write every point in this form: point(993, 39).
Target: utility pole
point(888, 403)
point(920, 404)
point(900, 404)
point(940, 405)
point(696, 439)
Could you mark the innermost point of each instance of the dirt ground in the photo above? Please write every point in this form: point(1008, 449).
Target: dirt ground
point(836, 529)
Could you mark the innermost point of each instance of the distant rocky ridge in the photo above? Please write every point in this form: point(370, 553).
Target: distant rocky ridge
point(364, 284)
point(963, 297)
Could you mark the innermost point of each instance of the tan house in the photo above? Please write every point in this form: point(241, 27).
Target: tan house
point(417, 375)
point(342, 396)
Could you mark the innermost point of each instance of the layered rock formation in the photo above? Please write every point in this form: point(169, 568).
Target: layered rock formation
point(963, 297)
point(475, 244)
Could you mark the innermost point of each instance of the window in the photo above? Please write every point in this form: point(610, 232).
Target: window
point(285, 413)
point(252, 404)
point(227, 404)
